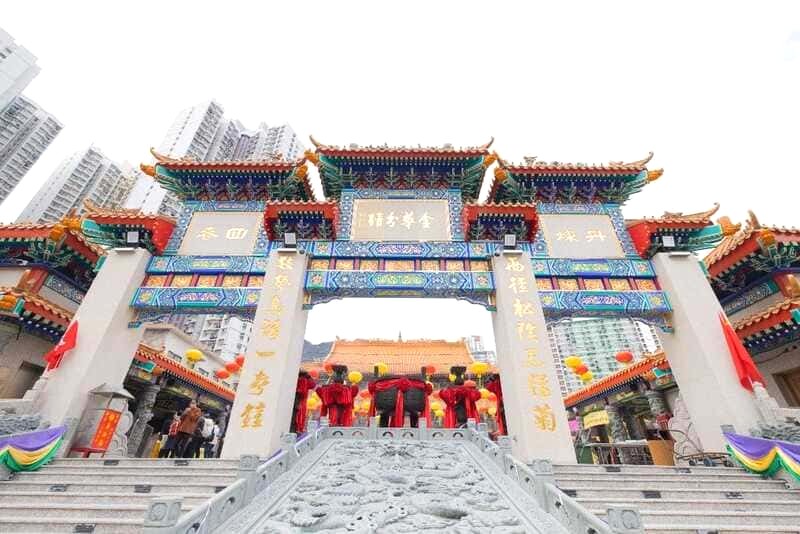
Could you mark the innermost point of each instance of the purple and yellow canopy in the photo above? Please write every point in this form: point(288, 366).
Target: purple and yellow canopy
point(28, 452)
point(765, 456)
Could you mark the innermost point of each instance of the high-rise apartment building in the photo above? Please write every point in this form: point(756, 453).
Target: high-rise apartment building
point(17, 69)
point(224, 335)
point(86, 175)
point(148, 196)
point(203, 133)
point(25, 132)
point(479, 352)
point(597, 341)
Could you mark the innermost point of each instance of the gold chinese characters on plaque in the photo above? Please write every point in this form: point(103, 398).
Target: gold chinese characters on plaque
point(400, 220)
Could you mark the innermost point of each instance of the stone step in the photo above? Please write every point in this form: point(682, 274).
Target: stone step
point(597, 468)
point(165, 487)
point(123, 477)
point(707, 519)
point(736, 477)
point(88, 498)
point(76, 512)
point(713, 505)
point(145, 462)
point(128, 470)
point(618, 482)
point(718, 529)
point(625, 493)
point(51, 525)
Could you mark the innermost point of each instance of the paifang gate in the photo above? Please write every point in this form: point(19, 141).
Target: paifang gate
point(549, 242)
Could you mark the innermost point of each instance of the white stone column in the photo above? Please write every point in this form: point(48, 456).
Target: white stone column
point(537, 420)
point(698, 353)
point(265, 398)
point(105, 345)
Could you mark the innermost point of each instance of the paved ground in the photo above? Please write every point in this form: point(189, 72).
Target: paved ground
point(393, 487)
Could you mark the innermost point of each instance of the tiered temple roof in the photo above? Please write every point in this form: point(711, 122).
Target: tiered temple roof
point(232, 180)
point(110, 227)
point(402, 357)
point(556, 182)
point(308, 220)
point(622, 378)
point(145, 353)
point(493, 221)
point(387, 167)
point(693, 231)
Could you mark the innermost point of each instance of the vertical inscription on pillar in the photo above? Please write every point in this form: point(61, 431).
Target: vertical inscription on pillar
point(534, 409)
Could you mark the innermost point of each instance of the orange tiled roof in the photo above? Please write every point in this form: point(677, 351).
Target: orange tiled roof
point(145, 352)
point(123, 213)
point(402, 357)
point(75, 238)
point(263, 164)
point(534, 165)
point(704, 218)
point(777, 313)
point(742, 239)
point(39, 306)
point(613, 380)
point(401, 151)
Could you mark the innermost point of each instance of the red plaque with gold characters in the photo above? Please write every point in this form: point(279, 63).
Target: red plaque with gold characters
point(105, 429)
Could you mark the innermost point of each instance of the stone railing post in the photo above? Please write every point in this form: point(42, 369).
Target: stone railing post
point(288, 442)
point(504, 444)
point(374, 425)
point(162, 515)
point(624, 520)
point(542, 476)
point(248, 463)
point(422, 427)
point(311, 429)
point(483, 430)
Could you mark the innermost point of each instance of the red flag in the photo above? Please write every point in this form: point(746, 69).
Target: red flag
point(745, 368)
point(56, 354)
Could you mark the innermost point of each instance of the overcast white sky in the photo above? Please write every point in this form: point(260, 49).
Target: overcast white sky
point(711, 87)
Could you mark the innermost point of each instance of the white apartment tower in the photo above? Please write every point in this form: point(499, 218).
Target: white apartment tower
point(25, 132)
point(86, 175)
point(597, 342)
point(17, 69)
point(203, 133)
point(224, 335)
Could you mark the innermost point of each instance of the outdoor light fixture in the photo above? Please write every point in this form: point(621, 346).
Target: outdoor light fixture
point(509, 241)
point(132, 237)
point(290, 240)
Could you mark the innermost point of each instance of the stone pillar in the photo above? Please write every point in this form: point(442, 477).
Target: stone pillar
point(537, 420)
point(658, 407)
point(263, 406)
point(144, 412)
point(616, 430)
point(105, 344)
point(698, 353)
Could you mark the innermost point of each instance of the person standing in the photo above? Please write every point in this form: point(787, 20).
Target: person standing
point(169, 431)
point(189, 421)
point(196, 443)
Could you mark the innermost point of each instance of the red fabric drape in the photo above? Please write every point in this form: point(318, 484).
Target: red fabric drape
point(745, 368)
point(402, 384)
point(382, 385)
point(337, 403)
point(67, 343)
point(495, 387)
point(304, 385)
point(455, 395)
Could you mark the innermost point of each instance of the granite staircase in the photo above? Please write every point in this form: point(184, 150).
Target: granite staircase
point(690, 500)
point(105, 496)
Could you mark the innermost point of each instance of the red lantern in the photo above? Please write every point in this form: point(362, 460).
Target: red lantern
point(470, 383)
point(239, 360)
point(430, 369)
point(581, 369)
point(232, 367)
point(314, 373)
point(624, 357)
point(222, 374)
